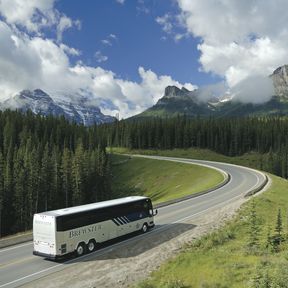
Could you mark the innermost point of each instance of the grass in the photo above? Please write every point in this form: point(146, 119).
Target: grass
point(223, 258)
point(160, 180)
point(249, 159)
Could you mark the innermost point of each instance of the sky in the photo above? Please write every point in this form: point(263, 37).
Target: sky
point(121, 54)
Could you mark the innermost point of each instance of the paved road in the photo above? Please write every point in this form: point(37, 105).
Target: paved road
point(18, 266)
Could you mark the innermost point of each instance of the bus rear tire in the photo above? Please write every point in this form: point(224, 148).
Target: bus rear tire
point(91, 246)
point(80, 249)
point(144, 228)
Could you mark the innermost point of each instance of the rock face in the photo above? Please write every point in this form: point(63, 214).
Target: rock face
point(40, 102)
point(177, 102)
point(173, 91)
point(280, 81)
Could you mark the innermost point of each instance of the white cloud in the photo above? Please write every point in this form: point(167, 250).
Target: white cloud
point(166, 23)
point(28, 62)
point(254, 89)
point(70, 50)
point(32, 14)
point(173, 26)
point(100, 57)
point(64, 24)
point(239, 39)
point(120, 1)
point(108, 41)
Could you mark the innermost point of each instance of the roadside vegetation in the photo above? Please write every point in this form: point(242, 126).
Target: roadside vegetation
point(160, 180)
point(250, 159)
point(249, 251)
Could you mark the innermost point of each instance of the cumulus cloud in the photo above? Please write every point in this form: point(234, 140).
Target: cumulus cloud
point(239, 39)
point(30, 62)
point(31, 15)
point(34, 15)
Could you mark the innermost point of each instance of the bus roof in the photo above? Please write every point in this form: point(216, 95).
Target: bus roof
point(96, 205)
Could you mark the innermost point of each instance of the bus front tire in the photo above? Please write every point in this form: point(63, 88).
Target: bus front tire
point(144, 228)
point(91, 245)
point(80, 249)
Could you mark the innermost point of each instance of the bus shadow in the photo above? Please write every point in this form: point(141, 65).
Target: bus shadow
point(135, 244)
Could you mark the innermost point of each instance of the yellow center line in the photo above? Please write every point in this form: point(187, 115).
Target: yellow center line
point(18, 261)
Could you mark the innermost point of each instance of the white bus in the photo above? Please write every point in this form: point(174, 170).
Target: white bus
point(79, 229)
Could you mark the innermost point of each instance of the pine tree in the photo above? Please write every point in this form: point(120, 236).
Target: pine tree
point(254, 227)
point(77, 173)
point(278, 238)
point(66, 176)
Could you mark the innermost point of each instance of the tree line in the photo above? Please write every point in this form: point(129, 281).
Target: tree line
point(229, 136)
point(47, 163)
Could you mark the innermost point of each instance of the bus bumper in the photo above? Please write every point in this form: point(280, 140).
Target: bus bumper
point(48, 256)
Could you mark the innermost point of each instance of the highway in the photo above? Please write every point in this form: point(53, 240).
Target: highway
point(18, 266)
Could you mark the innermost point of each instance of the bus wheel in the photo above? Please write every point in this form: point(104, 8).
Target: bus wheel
point(91, 245)
point(144, 228)
point(80, 249)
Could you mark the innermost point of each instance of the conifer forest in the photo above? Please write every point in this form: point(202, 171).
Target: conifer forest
point(47, 163)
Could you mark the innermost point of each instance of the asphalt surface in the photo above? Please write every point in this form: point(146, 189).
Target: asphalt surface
point(18, 266)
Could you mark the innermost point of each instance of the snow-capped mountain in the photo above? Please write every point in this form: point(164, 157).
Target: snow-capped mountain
point(40, 102)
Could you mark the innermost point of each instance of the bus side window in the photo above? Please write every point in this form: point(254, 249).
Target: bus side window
point(59, 224)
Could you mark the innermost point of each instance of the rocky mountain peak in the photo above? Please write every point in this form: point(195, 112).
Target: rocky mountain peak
point(173, 91)
point(280, 81)
point(35, 94)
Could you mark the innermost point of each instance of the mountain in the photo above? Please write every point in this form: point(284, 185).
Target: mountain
point(178, 101)
point(184, 102)
point(40, 102)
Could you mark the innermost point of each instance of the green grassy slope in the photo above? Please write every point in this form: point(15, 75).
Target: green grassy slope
point(224, 259)
point(160, 180)
point(249, 159)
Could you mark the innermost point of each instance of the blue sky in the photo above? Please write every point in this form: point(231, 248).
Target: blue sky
point(121, 54)
point(140, 40)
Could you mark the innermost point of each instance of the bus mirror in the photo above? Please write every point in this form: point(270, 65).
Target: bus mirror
point(155, 212)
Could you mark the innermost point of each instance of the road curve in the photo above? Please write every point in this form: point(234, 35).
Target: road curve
point(18, 266)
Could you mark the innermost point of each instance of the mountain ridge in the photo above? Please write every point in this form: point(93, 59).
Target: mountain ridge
point(40, 102)
point(180, 101)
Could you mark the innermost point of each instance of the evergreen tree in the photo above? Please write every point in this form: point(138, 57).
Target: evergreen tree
point(66, 176)
point(254, 227)
point(77, 173)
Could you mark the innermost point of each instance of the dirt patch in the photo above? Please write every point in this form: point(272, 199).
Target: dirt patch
point(125, 265)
